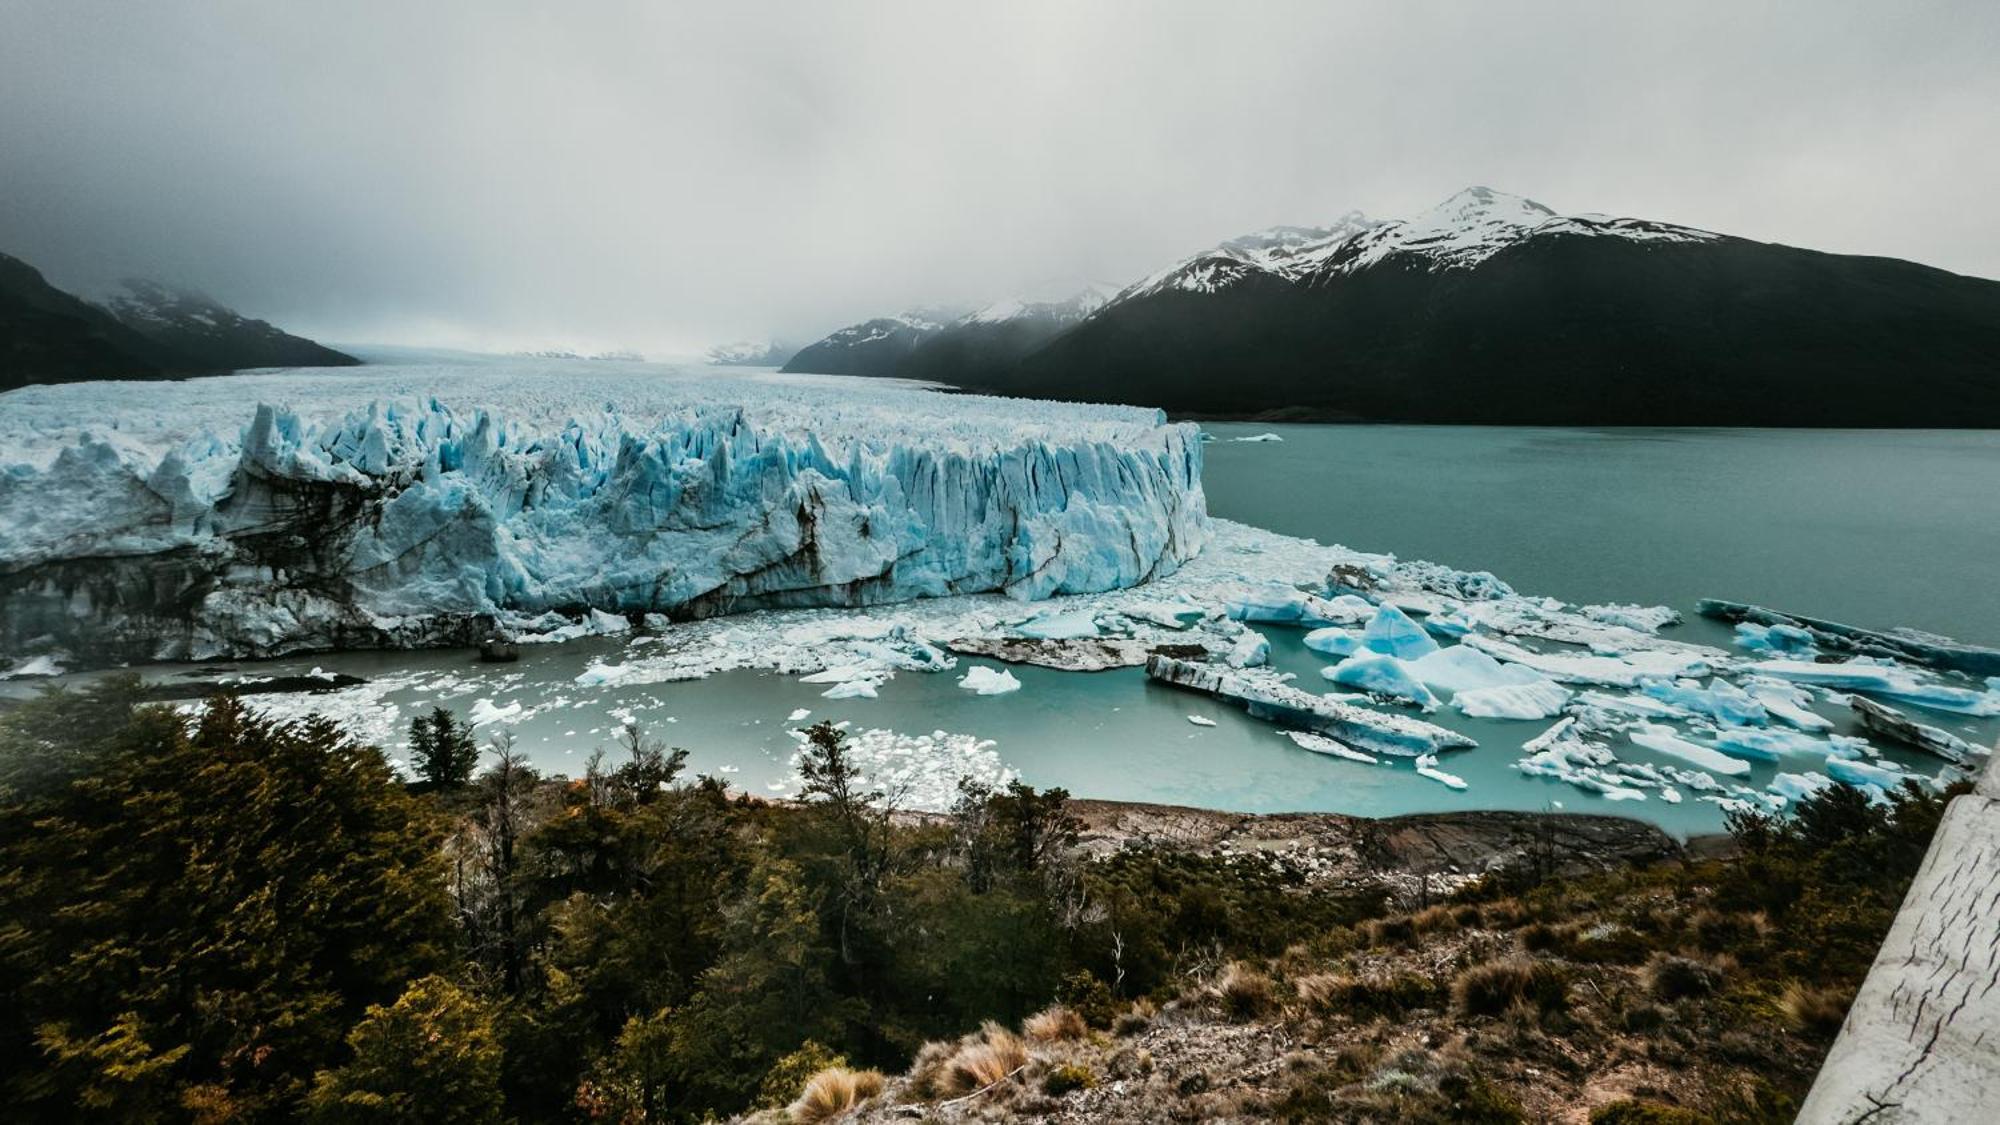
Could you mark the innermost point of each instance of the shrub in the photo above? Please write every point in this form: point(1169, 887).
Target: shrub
point(1669, 977)
point(1468, 916)
point(1494, 987)
point(1610, 943)
point(832, 1092)
point(982, 1060)
point(1068, 1077)
point(1054, 1024)
point(1437, 919)
point(1244, 990)
point(1381, 996)
point(1135, 1019)
point(1633, 1112)
point(790, 1074)
point(1815, 1011)
point(1390, 931)
point(1088, 996)
point(1540, 937)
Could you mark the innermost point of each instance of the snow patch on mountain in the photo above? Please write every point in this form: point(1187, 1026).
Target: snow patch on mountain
point(1477, 223)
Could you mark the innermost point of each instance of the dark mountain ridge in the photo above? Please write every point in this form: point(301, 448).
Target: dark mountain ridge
point(144, 330)
point(1492, 309)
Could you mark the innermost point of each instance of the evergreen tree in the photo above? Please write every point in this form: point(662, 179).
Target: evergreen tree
point(442, 751)
point(196, 917)
point(432, 1056)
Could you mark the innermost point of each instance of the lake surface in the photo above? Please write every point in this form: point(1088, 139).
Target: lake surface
point(1877, 528)
point(1872, 527)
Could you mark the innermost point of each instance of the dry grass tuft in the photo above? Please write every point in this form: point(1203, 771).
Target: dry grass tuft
point(1136, 1018)
point(1055, 1024)
point(1320, 991)
point(1669, 977)
point(832, 1092)
point(1496, 986)
point(1245, 991)
point(1436, 920)
point(981, 1060)
point(1815, 1011)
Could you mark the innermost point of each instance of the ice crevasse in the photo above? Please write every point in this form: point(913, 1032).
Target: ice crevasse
point(411, 522)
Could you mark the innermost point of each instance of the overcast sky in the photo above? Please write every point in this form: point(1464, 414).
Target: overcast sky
point(666, 176)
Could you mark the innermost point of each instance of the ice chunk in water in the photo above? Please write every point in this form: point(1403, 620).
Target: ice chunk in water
point(1463, 668)
point(1654, 736)
point(1861, 774)
point(1060, 626)
point(1201, 720)
point(1779, 640)
point(982, 680)
point(1333, 641)
point(1539, 700)
point(1798, 786)
point(1722, 700)
point(1332, 747)
point(1427, 767)
point(1392, 633)
point(1381, 675)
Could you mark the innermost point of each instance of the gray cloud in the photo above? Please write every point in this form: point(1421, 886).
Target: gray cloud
point(500, 174)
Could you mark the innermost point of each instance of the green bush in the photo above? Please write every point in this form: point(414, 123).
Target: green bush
point(1066, 1078)
point(1633, 1112)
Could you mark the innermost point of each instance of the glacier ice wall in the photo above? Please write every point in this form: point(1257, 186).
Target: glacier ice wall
point(405, 522)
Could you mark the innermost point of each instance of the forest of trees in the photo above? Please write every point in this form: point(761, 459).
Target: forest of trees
point(222, 918)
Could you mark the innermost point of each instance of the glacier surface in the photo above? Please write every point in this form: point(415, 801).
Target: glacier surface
point(265, 513)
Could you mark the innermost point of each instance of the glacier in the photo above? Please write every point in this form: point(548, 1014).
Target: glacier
point(255, 515)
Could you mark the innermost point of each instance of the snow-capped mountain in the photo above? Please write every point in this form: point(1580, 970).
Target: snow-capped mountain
point(1495, 308)
point(1281, 254)
point(209, 335)
point(750, 353)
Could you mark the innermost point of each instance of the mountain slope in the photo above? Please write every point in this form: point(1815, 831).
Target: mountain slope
point(49, 336)
point(873, 347)
point(211, 336)
point(1491, 308)
point(141, 331)
point(998, 336)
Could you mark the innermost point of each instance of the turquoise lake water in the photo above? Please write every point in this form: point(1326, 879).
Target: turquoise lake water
point(1877, 528)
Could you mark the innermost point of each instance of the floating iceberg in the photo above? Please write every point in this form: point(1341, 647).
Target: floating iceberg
point(1392, 633)
point(1427, 767)
point(981, 680)
point(1331, 747)
point(1332, 640)
point(1885, 678)
point(1381, 675)
point(1645, 618)
point(1539, 700)
point(799, 715)
point(1266, 696)
point(1798, 786)
point(1464, 668)
point(1060, 626)
point(1720, 700)
point(1862, 774)
point(1201, 720)
point(1779, 640)
point(1653, 736)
